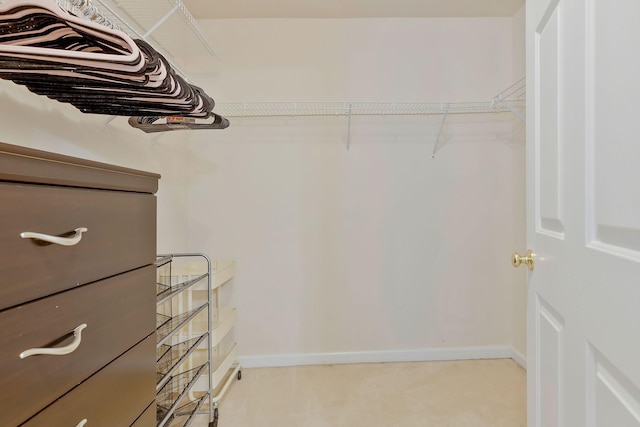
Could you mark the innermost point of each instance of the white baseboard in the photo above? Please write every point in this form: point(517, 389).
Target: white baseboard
point(426, 355)
point(519, 358)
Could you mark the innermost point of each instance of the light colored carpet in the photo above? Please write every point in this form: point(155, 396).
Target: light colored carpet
point(483, 393)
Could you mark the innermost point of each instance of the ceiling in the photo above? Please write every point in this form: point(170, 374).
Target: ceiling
point(203, 9)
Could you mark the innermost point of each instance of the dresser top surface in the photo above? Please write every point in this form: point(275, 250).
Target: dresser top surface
point(27, 165)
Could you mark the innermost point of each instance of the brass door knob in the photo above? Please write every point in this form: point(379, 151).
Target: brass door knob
point(518, 260)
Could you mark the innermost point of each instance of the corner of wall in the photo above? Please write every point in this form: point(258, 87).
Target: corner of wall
point(519, 324)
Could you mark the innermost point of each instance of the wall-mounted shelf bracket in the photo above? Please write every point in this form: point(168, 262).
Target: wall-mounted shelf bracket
point(510, 107)
point(436, 145)
point(156, 137)
point(513, 94)
point(105, 124)
point(164, 19)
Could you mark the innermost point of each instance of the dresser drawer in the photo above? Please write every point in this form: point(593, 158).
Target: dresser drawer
point(120, 237)
point(111, 398)
point(119, 312)
point(148, 418)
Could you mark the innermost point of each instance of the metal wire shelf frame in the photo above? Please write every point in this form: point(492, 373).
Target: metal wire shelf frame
point(510, 100)
point(134, 17)
point(131, 17)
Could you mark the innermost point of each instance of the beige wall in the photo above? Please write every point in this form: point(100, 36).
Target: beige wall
point(384, 250)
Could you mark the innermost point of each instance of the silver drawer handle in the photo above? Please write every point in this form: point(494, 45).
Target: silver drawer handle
point(77, 332)
point(82, 423)
point(64, 241)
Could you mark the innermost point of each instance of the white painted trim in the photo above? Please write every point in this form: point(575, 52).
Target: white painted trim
point(519, 358)
point(425, 355)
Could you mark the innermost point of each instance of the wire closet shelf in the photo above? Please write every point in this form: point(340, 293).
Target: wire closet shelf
point(511, 99)
point(167, 25)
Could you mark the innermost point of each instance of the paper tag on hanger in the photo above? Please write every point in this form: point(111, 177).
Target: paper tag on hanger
point(171, 120)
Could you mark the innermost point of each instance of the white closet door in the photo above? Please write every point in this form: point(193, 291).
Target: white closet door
point(583, 212)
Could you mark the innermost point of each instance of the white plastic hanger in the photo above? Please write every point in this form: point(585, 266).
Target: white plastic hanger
point(14, 9)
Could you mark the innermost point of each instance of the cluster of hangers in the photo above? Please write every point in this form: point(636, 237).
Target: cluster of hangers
point(97, 69)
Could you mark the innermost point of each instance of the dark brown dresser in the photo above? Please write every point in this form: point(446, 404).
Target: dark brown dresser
point(77, 292)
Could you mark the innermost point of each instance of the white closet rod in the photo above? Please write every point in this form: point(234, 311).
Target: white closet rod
point(85, 9)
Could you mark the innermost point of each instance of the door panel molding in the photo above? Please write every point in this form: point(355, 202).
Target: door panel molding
point(613, 201)
point(550, 155)
point(612, 399)
point(550, 364)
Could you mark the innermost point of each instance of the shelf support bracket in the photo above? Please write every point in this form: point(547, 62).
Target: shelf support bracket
point(161, 21)
point(436, 146)
point(105, 125)
point(156, 137)
point(349, 131)
point(515, 112)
